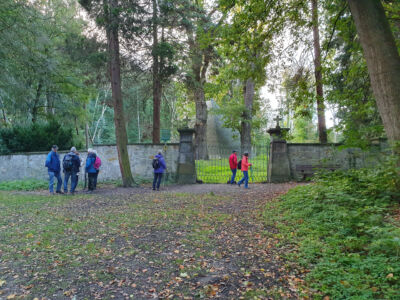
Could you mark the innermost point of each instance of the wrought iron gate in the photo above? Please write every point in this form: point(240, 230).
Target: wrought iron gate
point(216, 168)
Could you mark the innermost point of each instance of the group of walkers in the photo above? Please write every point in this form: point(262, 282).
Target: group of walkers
point(242, 165)
point(71, 165)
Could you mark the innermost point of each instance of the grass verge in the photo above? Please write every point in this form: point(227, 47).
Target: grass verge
point(344, 232)
point(23, 185)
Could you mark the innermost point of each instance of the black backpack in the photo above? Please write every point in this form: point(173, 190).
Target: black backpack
point(156, 163)
point(240, 164)
point(67, 163)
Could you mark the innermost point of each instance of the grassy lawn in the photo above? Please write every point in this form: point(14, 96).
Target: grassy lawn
point(218, 171)
point(48, 244)
point(133, 246)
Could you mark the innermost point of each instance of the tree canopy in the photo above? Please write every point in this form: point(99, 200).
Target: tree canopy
point(177, 55)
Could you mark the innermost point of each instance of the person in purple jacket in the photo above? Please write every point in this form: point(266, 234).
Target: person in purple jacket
point(159, 167)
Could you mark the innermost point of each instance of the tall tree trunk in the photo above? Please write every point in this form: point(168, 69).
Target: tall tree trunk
point(36, 102)
point(3, 112)
point(383, 61)
point(200, 60)
point(156, 79)
point(50, 103)
point(200, 139)
point(115, 77)
point(138, 115)
point(245, 133)
point(318, 75)
point(4, 117)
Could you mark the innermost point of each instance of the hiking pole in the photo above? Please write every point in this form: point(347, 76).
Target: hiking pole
point(85, 185)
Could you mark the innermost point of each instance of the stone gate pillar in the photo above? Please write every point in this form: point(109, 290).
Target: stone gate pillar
point(186, 160)
point(278, 167)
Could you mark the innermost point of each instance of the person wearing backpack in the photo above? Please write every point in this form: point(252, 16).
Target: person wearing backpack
point(244, 166)
point(159, 167)
point(91, 171)
point(53, 167)
point(97, 165)
point(71, 164)
point(233, 165)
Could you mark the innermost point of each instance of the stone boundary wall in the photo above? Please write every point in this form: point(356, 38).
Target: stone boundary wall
point(31, 165)
point(331, 154)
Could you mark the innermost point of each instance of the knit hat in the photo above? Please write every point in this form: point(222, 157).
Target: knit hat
point(73, 149)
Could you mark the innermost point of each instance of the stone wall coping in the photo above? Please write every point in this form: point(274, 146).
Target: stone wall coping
point(138, 144)
point(39, 153)
point(85, 150)
point(314, 144)
point(186, 130)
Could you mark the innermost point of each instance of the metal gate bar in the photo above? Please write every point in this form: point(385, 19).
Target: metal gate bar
point(216, 168)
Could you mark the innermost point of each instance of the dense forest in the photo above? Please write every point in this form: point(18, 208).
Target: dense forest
point(307, 61)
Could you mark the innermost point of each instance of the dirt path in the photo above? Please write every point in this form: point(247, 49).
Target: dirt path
point(184, 242)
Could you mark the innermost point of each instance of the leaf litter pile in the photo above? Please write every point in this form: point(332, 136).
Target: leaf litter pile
point(197, 241)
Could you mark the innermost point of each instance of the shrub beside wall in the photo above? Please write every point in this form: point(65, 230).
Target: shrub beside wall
point(35, 137)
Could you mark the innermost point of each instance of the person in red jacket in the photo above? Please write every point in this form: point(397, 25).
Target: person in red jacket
point(245, 170)
point(233, 165)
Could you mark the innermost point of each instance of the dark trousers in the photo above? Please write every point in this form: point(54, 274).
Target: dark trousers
point(157, 180)
point(95, 178)
point(91, 178)
point(233, 175)
point(74, 181)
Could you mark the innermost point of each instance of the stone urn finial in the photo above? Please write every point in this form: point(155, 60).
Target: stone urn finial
point(277, 133)
point(277, 119)
point(186, 121)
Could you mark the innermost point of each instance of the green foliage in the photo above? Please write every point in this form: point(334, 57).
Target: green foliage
point(299, 88)
point(342, 230)
point(23, 185)
point(101, 118)
point(245, 43)
point(166, 53)
point(138, 106)
point(304, 131)
point(48, 69)
point(36, 137)
point(348, 83)
point(246, 40)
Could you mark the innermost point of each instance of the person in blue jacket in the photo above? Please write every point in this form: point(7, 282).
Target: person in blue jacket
point(159, 169)
point(91, 170)
point(54, 168)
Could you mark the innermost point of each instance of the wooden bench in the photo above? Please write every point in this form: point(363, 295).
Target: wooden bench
point(309, 170)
